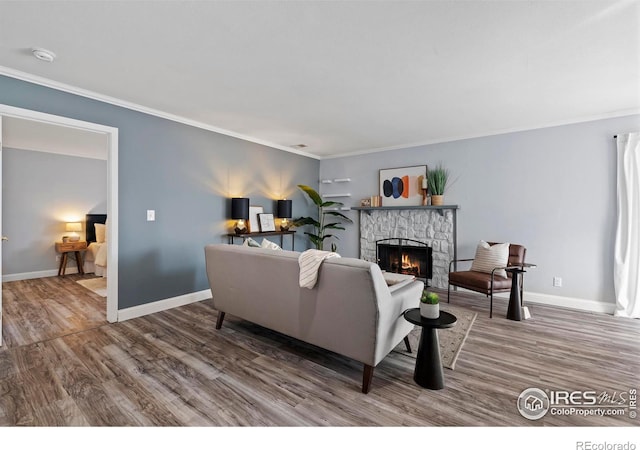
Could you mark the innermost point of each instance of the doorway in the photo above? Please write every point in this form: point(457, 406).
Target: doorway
point(111, 138)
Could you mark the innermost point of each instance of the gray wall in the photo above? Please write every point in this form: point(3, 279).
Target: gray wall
point(552, 190)
point(187, 175)
point(40, 192)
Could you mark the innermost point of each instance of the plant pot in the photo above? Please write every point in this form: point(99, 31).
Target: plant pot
point(429, 311)
point(437, 200)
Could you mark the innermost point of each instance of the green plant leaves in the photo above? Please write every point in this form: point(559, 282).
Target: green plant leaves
point(437, 180)
point(313, 195)
point(320, 227)
point(301, 221)
point(430, 298)
point(338, 214)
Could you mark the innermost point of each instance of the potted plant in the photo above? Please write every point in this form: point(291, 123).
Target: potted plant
point(322, 224)
point(429, 305)
point(437, 182)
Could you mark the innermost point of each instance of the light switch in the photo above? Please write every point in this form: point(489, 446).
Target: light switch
point(151, 215)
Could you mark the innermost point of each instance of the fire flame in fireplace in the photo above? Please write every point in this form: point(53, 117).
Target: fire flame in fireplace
point(406, 262)
point(408, 265)
point(409, 260)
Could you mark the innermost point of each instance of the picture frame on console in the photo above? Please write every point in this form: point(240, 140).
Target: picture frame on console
point(266, 222)
point(254, 222)
point(402, 186)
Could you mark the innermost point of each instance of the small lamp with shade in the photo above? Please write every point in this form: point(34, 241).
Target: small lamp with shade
point(240, 212)
point(74, 227)
point(284, 213)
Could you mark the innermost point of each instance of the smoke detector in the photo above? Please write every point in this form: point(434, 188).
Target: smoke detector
point(43, 54)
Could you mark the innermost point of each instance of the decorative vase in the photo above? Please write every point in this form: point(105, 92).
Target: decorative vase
point(437, 200)
point(429, 311)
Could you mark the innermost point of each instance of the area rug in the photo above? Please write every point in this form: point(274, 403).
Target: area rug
point(97, 285)
point(450, 339)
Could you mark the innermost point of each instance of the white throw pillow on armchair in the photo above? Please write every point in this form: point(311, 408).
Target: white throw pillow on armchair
point(488, 257)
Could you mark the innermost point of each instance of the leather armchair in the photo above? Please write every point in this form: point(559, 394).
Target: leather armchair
point(487, 283)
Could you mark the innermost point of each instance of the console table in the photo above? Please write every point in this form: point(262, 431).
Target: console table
point(244, 236)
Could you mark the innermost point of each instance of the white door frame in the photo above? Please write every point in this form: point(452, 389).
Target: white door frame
point(112, 191)
point(1, 229)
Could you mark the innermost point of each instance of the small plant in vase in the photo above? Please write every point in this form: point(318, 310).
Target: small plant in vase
point(429, 305)
point(437, 181)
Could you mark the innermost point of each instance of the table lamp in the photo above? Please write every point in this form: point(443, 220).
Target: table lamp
point(284, 212)
point(240, 212)
point(74, 227)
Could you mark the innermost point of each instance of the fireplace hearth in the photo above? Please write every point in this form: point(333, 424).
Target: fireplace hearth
point(405, 256)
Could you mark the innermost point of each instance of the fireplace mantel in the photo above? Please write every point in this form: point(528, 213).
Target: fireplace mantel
point(368, 209)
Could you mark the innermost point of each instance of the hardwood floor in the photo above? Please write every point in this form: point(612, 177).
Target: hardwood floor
point(174, 369)
point(44, 308)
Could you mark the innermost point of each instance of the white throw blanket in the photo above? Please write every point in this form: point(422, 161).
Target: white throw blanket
point(309, 262)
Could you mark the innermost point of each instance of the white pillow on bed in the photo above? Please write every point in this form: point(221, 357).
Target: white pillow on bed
point(101, 232)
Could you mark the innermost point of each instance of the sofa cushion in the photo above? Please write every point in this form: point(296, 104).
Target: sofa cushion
point(488, 257)
point(270, 245)
point(250, 242)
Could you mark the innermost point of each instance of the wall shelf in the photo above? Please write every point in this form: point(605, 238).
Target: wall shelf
point(335, 180)
point(335, 195)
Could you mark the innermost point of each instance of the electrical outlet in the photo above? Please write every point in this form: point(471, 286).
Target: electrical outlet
point(557, 282)
point(58, 257)
point(151, 215)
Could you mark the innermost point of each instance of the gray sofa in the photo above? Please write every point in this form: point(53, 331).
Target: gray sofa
point(350, 311)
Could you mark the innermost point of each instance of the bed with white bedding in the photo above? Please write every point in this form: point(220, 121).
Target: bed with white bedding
point(95, 258)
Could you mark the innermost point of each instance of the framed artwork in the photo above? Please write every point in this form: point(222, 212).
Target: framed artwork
point(254, 223)
point(266, 222)
point(402, 186)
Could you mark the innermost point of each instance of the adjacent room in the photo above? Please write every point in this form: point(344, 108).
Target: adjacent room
point(321, 214)
point(54, 182)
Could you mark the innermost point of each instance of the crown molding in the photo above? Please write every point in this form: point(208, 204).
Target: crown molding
point(609, 115)
point(35, 79)
point(24, 76)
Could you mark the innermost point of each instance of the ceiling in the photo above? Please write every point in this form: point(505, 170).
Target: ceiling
point(340, 77)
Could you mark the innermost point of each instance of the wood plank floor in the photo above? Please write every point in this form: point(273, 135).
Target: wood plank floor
point(174, 369)
point(44, 308)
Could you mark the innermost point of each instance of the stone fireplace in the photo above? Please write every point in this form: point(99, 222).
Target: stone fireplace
point(434, 226)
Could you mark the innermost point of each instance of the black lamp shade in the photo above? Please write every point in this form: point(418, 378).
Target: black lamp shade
point(239, 208)
point(284, 209)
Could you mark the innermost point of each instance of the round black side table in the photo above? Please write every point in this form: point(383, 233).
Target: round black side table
point(514, 311)
point(428, 372)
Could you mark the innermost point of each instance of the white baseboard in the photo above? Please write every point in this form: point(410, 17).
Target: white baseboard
point(580, 304)
point(39, 274)
point(162, 305)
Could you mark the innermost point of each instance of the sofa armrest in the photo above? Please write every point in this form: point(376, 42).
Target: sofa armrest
point(392, 327)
